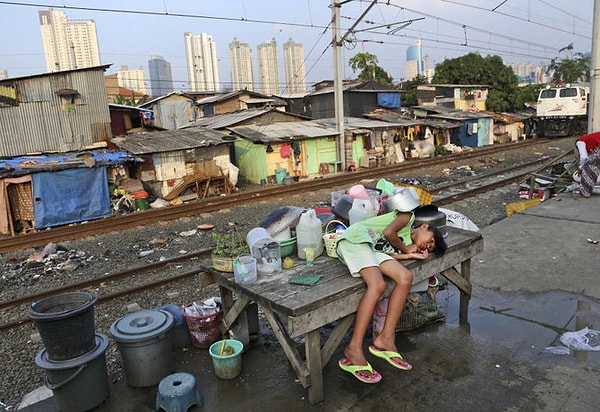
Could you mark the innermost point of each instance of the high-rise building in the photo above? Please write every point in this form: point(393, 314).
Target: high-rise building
point(268, 68)
point(133, 79)
point(161, 77)
point(293, 59)
point(3, 74)
point(68, 44)
point(414, 61)
point(242, 72)
point(201, 58)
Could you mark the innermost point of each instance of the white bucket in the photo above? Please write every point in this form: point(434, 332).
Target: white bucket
point(265, 250)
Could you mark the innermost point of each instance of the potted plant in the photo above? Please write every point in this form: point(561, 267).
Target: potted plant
point(228, 246)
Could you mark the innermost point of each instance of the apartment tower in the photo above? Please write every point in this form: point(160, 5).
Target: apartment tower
point(133, 79)
point(68, 44)
point(293, 59)
point(268, 68)
point(161, 77)
point(201, 58)
point(242, 73)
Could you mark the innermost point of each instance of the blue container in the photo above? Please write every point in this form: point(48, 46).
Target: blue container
point(279, 175)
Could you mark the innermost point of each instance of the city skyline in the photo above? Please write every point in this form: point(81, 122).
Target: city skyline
point(532, 33)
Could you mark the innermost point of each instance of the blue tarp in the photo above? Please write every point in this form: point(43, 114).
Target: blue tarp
point(388, 100)
point(70, 196)
point(18, 166)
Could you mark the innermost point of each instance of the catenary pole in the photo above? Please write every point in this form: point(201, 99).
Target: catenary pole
point(338, 94)
point(594, 103)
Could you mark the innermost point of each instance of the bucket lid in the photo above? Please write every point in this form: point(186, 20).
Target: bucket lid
point(44, 362)
point(141, 325)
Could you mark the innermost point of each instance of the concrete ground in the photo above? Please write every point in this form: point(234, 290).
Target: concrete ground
point(536, 279)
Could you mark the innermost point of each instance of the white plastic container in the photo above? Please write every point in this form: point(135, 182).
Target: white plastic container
point(361, 210)
point(309, 234)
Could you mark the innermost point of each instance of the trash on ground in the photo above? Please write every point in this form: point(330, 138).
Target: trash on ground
point(584, 339)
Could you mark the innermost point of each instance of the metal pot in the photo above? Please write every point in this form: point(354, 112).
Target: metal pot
point(431, 215)
point(404, 200)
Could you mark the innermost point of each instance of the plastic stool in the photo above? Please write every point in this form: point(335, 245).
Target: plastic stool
point(177, 392)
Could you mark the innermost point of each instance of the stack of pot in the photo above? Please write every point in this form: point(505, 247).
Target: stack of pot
point(73, 355)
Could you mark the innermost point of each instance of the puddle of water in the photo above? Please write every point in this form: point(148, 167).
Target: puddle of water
point(527, 322)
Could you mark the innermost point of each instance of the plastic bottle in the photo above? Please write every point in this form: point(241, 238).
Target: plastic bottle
point(309, 233)
point(361, 210)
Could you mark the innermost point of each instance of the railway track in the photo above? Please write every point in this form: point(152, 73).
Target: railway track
point(444, 194)
point(110, 224)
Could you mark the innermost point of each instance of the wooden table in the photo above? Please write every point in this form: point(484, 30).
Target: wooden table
point(297, 311)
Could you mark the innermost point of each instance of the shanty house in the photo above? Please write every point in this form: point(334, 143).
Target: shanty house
point(54, 112)
point(172, 110)
point(302, 148)
point(236, 101)
point(359, 98)
point(172, 157)
point(453, 96)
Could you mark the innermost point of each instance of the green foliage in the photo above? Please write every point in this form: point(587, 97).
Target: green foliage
point(229, 244)
point(527, 93)
point(369, 69)
point(132, 101)
point(409, 90)
point(570, 69)
point(477, 70)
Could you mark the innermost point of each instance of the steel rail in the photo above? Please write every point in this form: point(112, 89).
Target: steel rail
point(141, 218)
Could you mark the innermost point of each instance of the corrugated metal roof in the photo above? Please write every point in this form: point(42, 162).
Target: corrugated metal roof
point(360, 123)
point(283, 132)
point(171, 140)
point(221, 121)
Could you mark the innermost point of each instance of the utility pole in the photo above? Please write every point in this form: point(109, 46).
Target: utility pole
point(594, 103)
point(338, 92)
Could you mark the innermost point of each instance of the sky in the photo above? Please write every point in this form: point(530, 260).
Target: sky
point(129, 32)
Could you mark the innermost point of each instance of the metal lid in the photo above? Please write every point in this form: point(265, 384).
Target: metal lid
point(141, 325)
point(44, 362)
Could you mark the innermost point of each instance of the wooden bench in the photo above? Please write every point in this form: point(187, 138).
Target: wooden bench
point(297, 311)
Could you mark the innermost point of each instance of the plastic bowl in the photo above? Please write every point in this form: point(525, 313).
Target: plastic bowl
point(287, 247)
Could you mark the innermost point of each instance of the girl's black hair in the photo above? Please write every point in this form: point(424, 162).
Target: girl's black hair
point(440, 243)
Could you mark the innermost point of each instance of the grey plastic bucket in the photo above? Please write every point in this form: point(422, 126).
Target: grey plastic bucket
point(65, 323)
point(78, 384)
point(145, 345)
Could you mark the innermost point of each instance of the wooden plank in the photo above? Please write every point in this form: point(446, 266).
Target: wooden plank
point(335, 337)
point(302, 324)
point(313, 360)
point(289, 348)
point(453, 276)
point(232, 313)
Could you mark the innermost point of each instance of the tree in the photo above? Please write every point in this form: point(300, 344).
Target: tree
point(570, 69)
point(132, 101)
point(409, 90)
point(490, 70)
point(368, 65)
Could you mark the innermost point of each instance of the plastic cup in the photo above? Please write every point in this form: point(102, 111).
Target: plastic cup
point(244, 269)
point(310, 256)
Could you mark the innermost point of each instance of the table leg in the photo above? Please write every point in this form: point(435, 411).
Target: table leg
point(465, 270)
point(313, 360)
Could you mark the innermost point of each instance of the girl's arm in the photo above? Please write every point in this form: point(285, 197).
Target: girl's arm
point(391, 233)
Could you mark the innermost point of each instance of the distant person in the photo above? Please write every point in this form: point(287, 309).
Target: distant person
point(588, 149)
point(372, 249)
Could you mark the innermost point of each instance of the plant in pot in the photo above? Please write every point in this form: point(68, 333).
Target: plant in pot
point(228, 246)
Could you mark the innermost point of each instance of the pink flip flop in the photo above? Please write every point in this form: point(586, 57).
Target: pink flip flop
point(355, 370)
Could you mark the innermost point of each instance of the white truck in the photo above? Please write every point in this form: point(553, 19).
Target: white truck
point(562, 111)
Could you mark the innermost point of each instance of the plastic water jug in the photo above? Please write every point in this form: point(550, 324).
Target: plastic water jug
point(361, 210)
point(309, 233)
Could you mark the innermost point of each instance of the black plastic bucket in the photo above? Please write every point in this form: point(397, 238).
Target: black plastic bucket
point(66, 324)
point(78, 384)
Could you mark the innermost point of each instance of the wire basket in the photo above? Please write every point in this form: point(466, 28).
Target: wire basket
point(330, 239)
